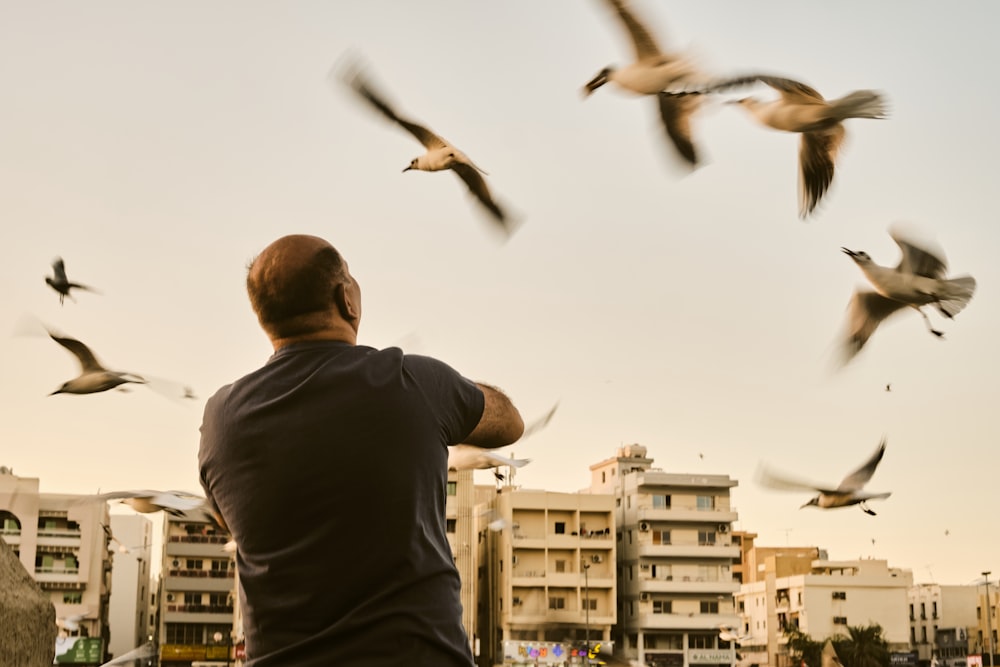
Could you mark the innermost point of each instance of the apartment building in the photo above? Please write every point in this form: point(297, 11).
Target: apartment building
point(196, 598)
point(460, 525)
point(62, 541)
point(822, 602)
point(942, 620)
point(547, 586)
point(987, 625)
point(128, 608)
point(675, 560)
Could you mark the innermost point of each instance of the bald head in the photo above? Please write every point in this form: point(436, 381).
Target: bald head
point(299, 286)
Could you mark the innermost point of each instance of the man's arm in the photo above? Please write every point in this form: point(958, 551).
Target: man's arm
point(501, 423)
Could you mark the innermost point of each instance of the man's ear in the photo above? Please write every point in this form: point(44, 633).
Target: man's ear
point(348, 310)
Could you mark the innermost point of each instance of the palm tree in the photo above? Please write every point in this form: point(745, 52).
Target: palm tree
point(863, 647)
point(803, 647)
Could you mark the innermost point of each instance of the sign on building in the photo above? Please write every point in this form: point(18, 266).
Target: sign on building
point(79, 650)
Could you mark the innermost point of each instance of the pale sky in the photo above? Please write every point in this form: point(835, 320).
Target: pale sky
point(157, 147)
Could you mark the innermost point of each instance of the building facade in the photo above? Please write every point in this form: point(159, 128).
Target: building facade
point(822, 602)
point(62, 540)
point(942, 620)
point(675, 560)
point(547, 586)
point(196, 600)
point(128, 608)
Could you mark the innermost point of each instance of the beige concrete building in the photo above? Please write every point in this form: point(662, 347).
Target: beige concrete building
point(196, 601)
point(62, 542)
point(942, 621)
point(822, 602)
point(128, 608)
point(675, 560)
point(987, 625)
point(547, 576)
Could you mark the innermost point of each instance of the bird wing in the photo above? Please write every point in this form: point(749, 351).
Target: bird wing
point(539, 423)
point(817, 157)
point(865, 312)
point(921, 261)
point(147, 650)
point(642, 42)
point(781, 482)
point(477, 185)
point(59, 270)
point(117, 495)
point(675, 112)
point(364, 89)
point(857, 479)
point(88, 362)
point(790, 89)
point(177, 501)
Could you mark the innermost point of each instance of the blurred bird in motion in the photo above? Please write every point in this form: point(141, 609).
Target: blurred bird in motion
point(651, 73)
point(440, 154)
point(728, 633)
point(176, 503)
point(540, 423)
point(850, 491)
point(61, 284)
point(93, 376)
point(829, 656)
point(800, 108)
point(918, 280)
point(71, 623)
point(470, 457)
point(147, 650)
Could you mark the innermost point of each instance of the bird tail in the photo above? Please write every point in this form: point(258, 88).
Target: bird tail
point(956, 294)
point(861, 104)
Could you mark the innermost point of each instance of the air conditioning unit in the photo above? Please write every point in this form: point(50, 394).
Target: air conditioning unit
point(516, 601)
point(645, 597)
point(177, 563)
point(597, 558)
point(723, 528)
point(644, 526)
point(170, 597)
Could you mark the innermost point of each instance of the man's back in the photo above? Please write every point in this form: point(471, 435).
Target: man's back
point(329, 466)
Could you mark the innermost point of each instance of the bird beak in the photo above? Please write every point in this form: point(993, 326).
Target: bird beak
point(849, 252)
point(408, 167)
point(57, 391)
point(595, 83)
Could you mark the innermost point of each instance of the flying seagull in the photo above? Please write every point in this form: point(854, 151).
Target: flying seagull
point(652, 73)
point(148, 502)
point(850, 491)
point(72, 623)
point(800, 108)
point(61, 284)
point(829, 656)
point(470, 457)
point(93, 376)
point(440, 154)
point(147, 650)
point(728, 633)
point(540, 423)
point(918, 280)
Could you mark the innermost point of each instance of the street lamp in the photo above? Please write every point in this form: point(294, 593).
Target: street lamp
point(229, 643)
point(586, 603)
point(989, 620)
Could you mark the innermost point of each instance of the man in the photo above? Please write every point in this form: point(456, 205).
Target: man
point(329, 467)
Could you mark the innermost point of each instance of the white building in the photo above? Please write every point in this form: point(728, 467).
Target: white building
point(942, 620)
point(675, 558)
point(822, 603)
point(63, 543)
point(128, 610)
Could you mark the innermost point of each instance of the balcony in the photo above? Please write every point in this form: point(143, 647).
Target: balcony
point(687, 513)
point(690, 585)
point(58, 537)
point(201, 608)
point(51, 575)
point(688, 551)
point(652, 621)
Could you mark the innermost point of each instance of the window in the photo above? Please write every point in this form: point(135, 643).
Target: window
point(560, 528)
point(661, 501)
point(221, 565)
point(560, 565)
point(72, 598)
point(701, 641)
point(193, 564)
point(557, 603)
point(450, 525)
point(452, 488)
point(923, 611)
point(590, 603)
point(934, 609)
point(912, 617)
point(923, 635)
point(662, 607)
point(192, 598)
point(706, 502)
point(706, 538)
point(840, 595)
point(709, 607)
point(218, 599)
point(661, 537)
point(840, 620)
point(185, 633)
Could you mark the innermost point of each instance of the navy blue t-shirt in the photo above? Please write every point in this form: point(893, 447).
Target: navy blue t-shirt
point(329, 465)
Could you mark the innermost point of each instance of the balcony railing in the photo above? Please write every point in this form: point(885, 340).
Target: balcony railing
point(214, 574)
point(58, 532)
point(202, 608)
point(57, 570)
point(199, 539)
